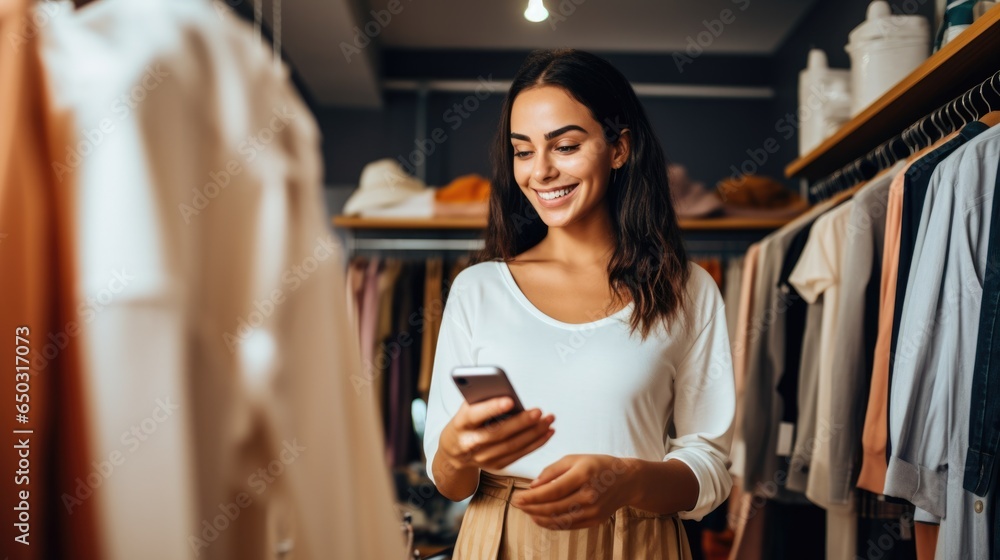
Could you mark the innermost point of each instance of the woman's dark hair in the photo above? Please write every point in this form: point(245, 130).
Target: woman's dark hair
point(649, 262)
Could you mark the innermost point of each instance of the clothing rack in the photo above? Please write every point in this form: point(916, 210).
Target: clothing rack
point(950, 117)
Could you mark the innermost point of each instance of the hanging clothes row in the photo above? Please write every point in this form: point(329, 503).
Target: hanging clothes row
point(863, 353)
point(168, 266)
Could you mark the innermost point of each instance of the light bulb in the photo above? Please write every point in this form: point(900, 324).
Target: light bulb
point(536, 11)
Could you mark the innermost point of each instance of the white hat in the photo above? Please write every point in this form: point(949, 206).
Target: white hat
point(383, 183)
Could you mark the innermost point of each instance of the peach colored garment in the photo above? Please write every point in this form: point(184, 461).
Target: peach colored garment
point(874, 435)
point(37, 287)
point(873, 439)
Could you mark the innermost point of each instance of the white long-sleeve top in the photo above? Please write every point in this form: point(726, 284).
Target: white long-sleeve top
point(670, 396)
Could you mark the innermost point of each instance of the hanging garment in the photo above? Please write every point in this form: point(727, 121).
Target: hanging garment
point(765, 359)
point(871, 476)
point(431, 322)
point(796, 313)
point(929, 403)
point(981, 474)
point(386, 345)
point(405, 357)
point(489, 321)
point(40, 315)
point(732, 283)
point(368, 320)
point(739, 349)
point(808, 397)
point(223, 340)
point(818, 273)
point(355, 292)
point(915, 186)
point(860, 282)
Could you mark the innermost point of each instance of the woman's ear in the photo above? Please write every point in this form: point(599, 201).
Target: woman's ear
point(622, 148)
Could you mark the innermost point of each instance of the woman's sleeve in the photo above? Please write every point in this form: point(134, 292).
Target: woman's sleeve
point(704, 407)
point(454, 348)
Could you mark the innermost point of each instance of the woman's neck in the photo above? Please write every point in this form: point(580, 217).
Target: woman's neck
point(586, 242)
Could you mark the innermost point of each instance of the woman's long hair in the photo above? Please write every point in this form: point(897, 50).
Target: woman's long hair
point(649, 261)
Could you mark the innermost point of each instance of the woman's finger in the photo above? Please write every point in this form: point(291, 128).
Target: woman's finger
point(534, 442)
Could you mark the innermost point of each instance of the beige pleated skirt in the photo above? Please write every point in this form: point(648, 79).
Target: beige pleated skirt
point(492, 529)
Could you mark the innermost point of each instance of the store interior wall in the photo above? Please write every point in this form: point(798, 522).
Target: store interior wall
point(713, 137)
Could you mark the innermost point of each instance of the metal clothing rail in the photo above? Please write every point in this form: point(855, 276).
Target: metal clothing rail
point(950, 117)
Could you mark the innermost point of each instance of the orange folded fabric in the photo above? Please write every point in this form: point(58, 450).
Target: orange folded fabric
point(467, 188)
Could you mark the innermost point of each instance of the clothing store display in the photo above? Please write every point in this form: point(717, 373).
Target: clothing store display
point(238, 346)
point(765, 362)
point(384, 184)
point(226, 326)
point(626, 415)
point(493, 528)
point(932, 377)
point(691, 198)
point(915, 186)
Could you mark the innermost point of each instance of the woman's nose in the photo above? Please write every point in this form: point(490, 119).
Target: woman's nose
point(543, 170)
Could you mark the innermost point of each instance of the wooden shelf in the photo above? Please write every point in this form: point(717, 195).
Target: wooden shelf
point(355, 222)
point(707, 224)
point(966, 61)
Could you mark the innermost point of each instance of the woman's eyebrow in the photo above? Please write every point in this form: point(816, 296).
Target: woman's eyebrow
point(549, 135)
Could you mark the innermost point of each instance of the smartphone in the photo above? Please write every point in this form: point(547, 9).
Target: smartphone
point(480, 383)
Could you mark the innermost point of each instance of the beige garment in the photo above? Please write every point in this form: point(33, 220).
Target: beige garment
point(221, 337)
point(739, 349)
point(739, 502)
point(41, 350)
point(492, 529)
point(433, 309)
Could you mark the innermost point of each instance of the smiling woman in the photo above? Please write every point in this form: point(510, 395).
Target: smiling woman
point(585, 297)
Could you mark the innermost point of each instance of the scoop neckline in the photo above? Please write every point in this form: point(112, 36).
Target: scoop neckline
point(508, 277)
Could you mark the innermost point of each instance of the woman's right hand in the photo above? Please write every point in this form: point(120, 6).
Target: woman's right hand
point(472, 439)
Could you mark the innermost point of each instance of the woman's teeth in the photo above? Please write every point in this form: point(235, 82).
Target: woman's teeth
point(552, 195)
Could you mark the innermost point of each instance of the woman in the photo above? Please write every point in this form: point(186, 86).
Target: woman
point(585, 297)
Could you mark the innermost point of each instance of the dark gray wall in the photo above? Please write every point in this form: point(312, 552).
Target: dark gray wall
point(705, 135)
point(713, 138)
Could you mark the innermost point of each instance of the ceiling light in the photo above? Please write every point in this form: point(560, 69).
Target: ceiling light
point(536, 11)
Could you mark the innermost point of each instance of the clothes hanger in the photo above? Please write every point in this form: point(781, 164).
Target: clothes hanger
point(992, 117)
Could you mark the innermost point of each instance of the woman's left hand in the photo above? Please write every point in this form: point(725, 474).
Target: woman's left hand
point(577, 491)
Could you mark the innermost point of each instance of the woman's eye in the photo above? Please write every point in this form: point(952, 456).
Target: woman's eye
point(521, 154)
point(567, 149)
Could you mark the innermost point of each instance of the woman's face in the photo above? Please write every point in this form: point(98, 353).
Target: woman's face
point(562, 160)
